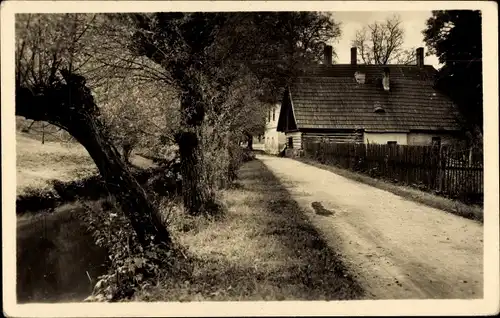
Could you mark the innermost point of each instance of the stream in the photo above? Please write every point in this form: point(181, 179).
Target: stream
point(57, 259)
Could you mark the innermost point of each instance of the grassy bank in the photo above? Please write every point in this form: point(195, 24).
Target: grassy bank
point(472, 212)
point(39, 164)
point(263, 249)
point(54, 173)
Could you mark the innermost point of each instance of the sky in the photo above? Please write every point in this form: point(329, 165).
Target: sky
point(351, 21)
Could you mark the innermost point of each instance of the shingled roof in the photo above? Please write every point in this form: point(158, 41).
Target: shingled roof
point(329, 97)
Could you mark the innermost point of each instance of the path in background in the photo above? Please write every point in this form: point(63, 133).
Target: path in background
point(396, 248)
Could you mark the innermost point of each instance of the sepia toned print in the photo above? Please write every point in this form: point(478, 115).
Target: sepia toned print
point(249, 156)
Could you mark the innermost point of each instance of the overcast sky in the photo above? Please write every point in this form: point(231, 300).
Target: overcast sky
point(413, 22)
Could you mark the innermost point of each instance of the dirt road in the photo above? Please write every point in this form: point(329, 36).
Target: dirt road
point(397, 249)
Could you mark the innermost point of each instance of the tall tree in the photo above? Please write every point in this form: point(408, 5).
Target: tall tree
point(204, 54)
point(383, 43)
point(455, 37)
point(50, 87)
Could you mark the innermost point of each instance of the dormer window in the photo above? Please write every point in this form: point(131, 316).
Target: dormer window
point(377, 108)
point(360, 77)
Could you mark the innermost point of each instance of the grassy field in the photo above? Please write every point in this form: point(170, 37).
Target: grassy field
point(38, 164)
point(263, 249)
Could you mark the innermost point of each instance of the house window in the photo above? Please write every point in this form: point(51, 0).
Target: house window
point(274, 114)
point(290, 142)
point(436, 141)
point(392, 143)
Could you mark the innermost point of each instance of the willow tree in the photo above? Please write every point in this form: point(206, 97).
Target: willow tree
point(203, 54)
point(54, 71)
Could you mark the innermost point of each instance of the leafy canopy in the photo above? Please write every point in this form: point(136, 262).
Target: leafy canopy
point(454, 36)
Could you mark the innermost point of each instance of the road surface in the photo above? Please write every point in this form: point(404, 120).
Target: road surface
point(395, 248)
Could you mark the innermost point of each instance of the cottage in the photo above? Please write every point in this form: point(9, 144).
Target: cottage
point(274, 140)
point(383, 104)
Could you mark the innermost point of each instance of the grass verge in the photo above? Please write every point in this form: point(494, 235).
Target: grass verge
point(472, 212)
point(264, 248)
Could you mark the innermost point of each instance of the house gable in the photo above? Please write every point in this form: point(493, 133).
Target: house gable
point(286, 120)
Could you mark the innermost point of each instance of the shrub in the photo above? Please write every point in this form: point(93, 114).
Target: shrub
point(247, 155)
point(35, 199)
point(131, 267)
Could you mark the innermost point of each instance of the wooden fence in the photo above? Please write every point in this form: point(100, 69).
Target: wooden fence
point(450, 171)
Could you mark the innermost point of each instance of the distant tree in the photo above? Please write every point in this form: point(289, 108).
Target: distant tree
point(54, 73)
point(455, 37)
point(383, 43)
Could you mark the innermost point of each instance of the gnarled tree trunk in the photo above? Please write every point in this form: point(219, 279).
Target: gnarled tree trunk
point(72, 107)
point(126, 152)
point(198, 197)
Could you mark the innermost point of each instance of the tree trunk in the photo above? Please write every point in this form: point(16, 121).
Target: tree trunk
point(234, 160)
point(71, 107)
point(198, 194)
point(249, 141)
point(126, 152)
point(144, 217)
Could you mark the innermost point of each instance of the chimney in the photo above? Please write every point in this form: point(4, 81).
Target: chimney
point(420, 57)
point(328, 55)
point(354, 55)
point(385, 80)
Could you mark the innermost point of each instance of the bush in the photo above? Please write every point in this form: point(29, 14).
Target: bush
point(35, 199)
point(131, 268)
point(247, 155)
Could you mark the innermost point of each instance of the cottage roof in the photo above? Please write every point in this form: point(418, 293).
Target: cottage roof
point(330, 97)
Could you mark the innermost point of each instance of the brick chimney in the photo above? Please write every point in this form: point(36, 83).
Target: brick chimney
point(354, 55)
point(328, 54)
point(420, 57)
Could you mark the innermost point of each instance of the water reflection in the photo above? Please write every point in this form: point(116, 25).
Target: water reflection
point(57, 260)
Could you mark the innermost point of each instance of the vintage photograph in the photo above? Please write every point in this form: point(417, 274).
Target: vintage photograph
point(249, 156)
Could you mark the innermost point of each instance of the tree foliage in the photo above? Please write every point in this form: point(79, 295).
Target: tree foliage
point(222, 64)
point(455, 37)
point(138, 115)
point(51, 56)
point(383, 43)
